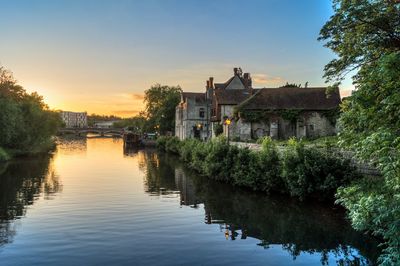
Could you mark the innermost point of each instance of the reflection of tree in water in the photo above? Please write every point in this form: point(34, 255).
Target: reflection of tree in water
point(21, 183)
point(163, 177)
point(275, 220)
point(297, 227)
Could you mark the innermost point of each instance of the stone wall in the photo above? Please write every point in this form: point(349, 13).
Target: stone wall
point(309, 125)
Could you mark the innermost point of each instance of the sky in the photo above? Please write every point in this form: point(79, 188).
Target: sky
point(100, 55)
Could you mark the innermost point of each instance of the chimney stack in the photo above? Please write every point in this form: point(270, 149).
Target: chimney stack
point(208, 84)
point(212, 82)
point(247, 79)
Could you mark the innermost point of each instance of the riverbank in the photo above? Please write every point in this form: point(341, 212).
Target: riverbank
point(41, 148)
point(300, 171)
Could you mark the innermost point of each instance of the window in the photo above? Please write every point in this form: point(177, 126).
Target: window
point(311, 127)
point(201, 112)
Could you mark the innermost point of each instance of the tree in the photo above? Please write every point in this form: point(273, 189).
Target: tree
point(360, 32)
point(136, 123)
point(26, 122)
point(365, 35)
point(161, 102)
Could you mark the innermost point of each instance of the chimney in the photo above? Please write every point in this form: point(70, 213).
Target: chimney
point(247, 79)
point(235, 71)
point(208, 84)
point(212, 82)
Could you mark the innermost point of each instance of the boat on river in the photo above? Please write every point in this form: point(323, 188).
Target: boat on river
point(131, 139)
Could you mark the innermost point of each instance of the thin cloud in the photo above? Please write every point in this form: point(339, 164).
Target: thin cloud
point(126, 112)
point(263, 79)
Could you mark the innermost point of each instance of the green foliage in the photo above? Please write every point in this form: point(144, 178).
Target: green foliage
point(291, 85)
point(136, 124)
point(290, 115)
point(92, 118)
point(309, 171)
point(254, 116)
point(300, 172)
point(219, 129)
point(220, 159)
point(332, 115)
point(26, 122)
point(4, 156)
point(360, 33)
point(161, 102)
point(172, 145)
point(168, 144)
point(365, 35)
point(370, 126)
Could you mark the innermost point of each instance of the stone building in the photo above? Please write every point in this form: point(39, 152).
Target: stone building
point(255, 112)
point(286, 112)
point(74, 119)
point(192, 116)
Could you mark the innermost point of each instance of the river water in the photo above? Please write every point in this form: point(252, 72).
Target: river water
point(94, 203)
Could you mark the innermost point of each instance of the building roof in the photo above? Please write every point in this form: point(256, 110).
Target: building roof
point(231, 97)
point(293, 98)
point(226, 84)
point(199, 97)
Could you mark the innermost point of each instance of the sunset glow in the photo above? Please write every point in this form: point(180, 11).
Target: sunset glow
point(100, 56)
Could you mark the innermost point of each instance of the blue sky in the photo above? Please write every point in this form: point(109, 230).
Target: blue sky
point(100, 56)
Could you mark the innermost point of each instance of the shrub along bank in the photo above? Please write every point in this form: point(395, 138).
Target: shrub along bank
point(300, 171)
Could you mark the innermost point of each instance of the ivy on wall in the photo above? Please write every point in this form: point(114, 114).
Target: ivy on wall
point(290, 115)
point(332, 115)
point(264, 115)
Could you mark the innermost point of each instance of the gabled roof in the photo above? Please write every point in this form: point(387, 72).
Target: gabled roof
point(226, 84)
point(292, 98)
point(199, 97)
point(231, 97)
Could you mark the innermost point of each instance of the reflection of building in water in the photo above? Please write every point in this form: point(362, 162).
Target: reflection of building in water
point(186, 188)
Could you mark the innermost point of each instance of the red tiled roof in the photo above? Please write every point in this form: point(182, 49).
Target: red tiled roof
point(293, 98)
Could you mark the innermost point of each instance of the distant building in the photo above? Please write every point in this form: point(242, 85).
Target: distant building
point(256, 112)
point(74, 119)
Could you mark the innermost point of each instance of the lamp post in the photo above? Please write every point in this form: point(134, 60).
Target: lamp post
point(199, 126)
point(227, 123)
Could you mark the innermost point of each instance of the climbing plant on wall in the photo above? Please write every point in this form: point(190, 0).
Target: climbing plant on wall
point(290, 115)
point(332, 115)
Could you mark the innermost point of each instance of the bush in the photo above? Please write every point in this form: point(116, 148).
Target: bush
point(220, 160)
point(173, 145)
point(308, 171)
point(269, 165)
point(3, 155)
point(161, 143)
point(300, 172)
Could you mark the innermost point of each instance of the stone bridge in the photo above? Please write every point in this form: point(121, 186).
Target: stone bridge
point(92, 130)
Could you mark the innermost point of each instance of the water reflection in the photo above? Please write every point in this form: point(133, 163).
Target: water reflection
point(297, 227)
point(22, 182)
point(72, 145)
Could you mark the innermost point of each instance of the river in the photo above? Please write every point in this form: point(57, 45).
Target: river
point(94, 203)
